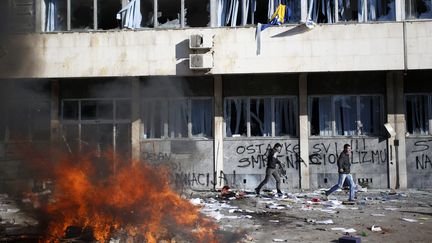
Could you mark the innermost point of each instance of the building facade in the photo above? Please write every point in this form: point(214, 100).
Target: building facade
point(191, 84)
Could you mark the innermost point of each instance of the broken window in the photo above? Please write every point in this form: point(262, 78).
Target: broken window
point(320, 116)
point(147, 10)
point(235, 113)
point(82, 14)
point(238, 12)
point(323, 11)
point(418, 109)
point(258, 115)
point(381, 10)
point(418, 9)
point(197, 13)
point(61, 15)
point(352, 115)
point(169, 13)
point(170, 118)
point(261, 117)
point(93, 124)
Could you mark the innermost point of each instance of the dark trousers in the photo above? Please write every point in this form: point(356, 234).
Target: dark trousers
point(275, 174)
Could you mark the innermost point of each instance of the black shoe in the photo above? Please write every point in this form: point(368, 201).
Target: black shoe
point(257, 191)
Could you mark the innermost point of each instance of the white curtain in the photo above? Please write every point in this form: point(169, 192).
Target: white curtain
point(51, 15)
point(131, 15)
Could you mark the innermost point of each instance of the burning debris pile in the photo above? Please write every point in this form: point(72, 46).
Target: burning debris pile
point(134, 198)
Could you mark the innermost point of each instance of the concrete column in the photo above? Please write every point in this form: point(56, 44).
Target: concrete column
point(396, 143)
point(218, 131)
point(391, 122)
point(136, 120)
point(304, 132)
point(54, 116)
point(400, 131)
point(213, 13)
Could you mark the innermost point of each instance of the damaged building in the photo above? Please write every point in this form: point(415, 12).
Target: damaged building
point(189, 83)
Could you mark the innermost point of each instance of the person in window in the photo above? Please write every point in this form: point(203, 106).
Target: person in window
point(344, 165)
point(272, 161)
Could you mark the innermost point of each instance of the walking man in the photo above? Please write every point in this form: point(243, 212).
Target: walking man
point(344, 165)
point(271, 170)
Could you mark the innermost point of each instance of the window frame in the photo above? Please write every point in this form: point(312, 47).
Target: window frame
point(358, 115)
point(165, 135)
point(291, 98)
point(428, 110)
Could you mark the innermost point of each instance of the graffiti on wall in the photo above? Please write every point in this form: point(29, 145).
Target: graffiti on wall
point(326, 152)
point(255, 155)
point(423, 154)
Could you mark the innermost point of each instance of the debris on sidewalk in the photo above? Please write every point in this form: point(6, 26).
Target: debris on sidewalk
point(410, 220)
point(375, 228)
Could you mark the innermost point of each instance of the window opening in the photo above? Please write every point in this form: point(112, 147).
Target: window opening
point(169, 13)
point(417, 114)
point(261, 117)
point(418, 9)
point(202, 117)
point(236, 117)
point(321, 116)
point(345, 115)
point(178, 118)
point(351, 115)
point(197, 13)
point(82, 14)
point(370, 115)
point(106, 14)
point(285, 117)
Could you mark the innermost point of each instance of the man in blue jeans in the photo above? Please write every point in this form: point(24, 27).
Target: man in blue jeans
point(344, 173)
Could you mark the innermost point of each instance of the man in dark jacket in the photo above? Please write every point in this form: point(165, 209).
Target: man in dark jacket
point(271, 170)
point(344, 172)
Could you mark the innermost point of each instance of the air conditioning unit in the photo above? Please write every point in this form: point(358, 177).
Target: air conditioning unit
point(200, 41)
point(200, 61)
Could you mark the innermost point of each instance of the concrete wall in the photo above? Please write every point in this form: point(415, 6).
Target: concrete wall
point(419, 162)
point(191, 161)
point(369, 161)
point(337, 47)
point(245, 162)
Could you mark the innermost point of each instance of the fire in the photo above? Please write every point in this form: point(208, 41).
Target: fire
point(136, 198)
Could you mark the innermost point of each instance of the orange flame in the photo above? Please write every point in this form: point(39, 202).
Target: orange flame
point(137, 198)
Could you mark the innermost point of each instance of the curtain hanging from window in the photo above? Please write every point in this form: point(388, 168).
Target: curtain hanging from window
point(130, 15)
point(202, 114)
point(235, 114)
point(345, 115)
point(51, 15)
